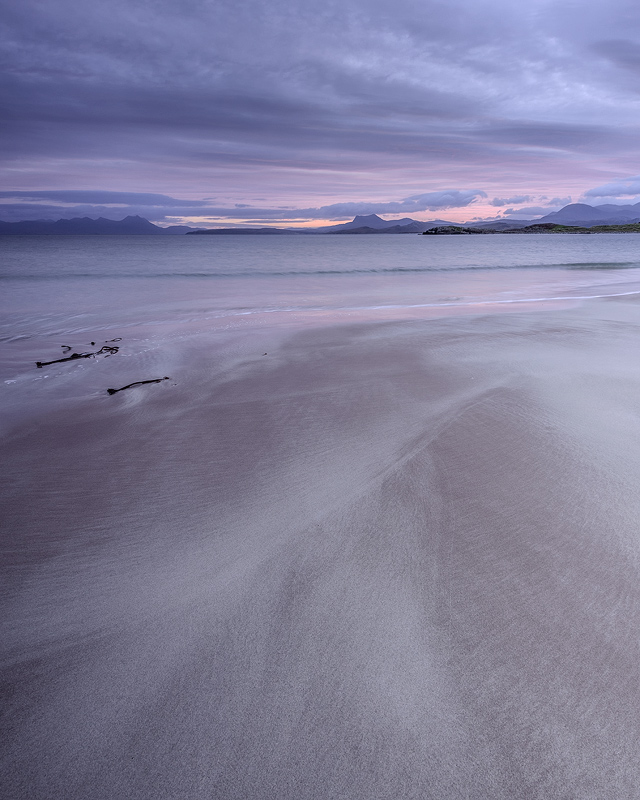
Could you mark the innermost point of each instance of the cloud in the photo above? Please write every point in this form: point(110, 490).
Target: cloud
point(557, 201)
point(505, 201)
point(334, 99)
point(159, 208)
point(621, 188)
point(555, 204)
point(526, 212)
point(429, 201)
point(621, 52)
point(101, 198)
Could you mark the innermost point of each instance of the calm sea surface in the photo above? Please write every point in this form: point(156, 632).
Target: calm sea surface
point(59, 285)
point(71, 290)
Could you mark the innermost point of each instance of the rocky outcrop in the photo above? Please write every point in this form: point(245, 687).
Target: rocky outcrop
point(448, 230)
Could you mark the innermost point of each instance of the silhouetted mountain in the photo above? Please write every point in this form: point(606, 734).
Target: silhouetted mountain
point(359, 224)
point(372, 223)
point(587, 216)
point(574, 211)
point(136, 226)
point(626, 212)
point(412, 227)
point(176, 230)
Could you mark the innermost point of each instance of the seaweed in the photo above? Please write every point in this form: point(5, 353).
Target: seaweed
point(138, 383)
point(106, 350)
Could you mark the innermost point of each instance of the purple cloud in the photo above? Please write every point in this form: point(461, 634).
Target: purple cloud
point(622, 188)
point(302, 103)
point(159, 208)
point(505, 201)
point(557, 201)
point(527, 212)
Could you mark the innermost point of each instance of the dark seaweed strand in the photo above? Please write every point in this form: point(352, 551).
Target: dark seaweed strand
point(137, 383)
point(104, 349)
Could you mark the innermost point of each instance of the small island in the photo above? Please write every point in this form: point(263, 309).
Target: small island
point(543, 227)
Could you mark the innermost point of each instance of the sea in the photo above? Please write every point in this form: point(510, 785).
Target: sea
point(61, 292)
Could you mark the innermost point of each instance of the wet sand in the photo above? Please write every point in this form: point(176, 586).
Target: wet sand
point(390, 560)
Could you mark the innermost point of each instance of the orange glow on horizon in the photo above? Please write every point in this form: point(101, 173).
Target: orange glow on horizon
point(460, 215)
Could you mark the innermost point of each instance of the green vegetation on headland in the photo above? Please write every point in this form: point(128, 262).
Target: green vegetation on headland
point(544, 227)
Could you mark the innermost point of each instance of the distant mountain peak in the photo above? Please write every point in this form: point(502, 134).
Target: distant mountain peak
point(373, 220)
point(132, 224)
point(583, 214)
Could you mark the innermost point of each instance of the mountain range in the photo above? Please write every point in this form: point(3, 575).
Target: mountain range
point(574, 214)
point(371, 223)
point(136, 226)
point(587, 216)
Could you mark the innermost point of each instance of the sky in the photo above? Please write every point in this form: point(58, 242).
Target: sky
point(299, 113)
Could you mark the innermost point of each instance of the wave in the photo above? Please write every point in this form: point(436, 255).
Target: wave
point(209, 314)
point(440, 304)
point(591, 265)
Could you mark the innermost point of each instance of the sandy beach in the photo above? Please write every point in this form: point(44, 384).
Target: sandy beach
point(385, 560)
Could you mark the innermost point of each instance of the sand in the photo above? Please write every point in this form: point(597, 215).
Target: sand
point(386, 560)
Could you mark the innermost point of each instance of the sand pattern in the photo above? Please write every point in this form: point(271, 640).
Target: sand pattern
point(393, 560)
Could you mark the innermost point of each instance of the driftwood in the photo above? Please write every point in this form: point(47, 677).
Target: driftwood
point(138, 383)
point(105, 349)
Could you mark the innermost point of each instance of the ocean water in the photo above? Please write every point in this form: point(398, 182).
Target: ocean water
point(151, 291)
point(60, 285)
